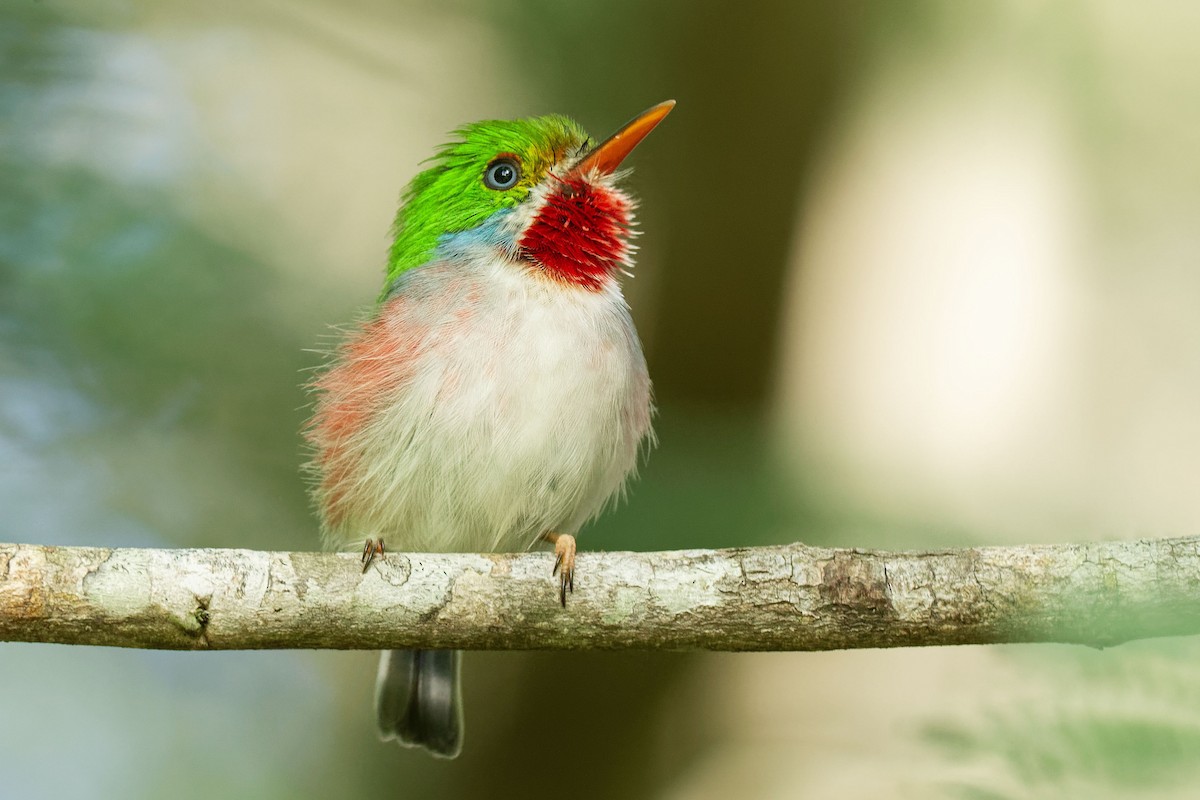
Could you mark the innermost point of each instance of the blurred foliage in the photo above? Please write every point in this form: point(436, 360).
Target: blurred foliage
point(177, 392)
point(1125, 723)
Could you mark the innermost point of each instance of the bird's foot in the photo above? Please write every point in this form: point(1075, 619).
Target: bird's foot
point(564, 563)
point(371, 548)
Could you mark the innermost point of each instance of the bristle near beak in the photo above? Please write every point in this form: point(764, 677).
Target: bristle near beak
point(608, 155)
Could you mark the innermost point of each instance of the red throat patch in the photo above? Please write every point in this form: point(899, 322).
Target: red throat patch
point(579, 235)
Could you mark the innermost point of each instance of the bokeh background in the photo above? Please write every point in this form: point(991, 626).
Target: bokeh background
point(919, 274)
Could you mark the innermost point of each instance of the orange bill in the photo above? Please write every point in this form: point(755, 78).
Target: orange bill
point(609, 154)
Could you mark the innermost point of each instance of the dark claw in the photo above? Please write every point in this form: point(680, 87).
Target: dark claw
point(566, 583)
point(564, 564)
point(371, 548)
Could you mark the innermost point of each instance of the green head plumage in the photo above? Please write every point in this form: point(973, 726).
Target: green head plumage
point(467, 184)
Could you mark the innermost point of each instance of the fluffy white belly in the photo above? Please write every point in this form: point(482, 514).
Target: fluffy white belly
point(514, 406)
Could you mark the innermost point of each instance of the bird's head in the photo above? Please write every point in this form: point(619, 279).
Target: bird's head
point(537, 192)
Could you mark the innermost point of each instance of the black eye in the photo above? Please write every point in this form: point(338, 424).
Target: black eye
point(501, 174)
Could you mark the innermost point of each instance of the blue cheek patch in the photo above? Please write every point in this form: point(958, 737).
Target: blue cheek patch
point(490, 235)
point(461, 245)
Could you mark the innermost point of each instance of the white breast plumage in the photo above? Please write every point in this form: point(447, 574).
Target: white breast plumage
point(513, 406)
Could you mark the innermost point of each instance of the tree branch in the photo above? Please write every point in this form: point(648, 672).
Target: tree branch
point(792, 597)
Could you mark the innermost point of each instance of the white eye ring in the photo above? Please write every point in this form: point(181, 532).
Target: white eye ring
point(502, 174)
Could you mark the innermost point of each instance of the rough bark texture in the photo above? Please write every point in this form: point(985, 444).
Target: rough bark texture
point(769, 598)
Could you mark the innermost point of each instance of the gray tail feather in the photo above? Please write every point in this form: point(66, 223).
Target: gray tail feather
point(418, 699)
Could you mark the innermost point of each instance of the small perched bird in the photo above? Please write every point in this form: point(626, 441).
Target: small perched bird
point(498, 395)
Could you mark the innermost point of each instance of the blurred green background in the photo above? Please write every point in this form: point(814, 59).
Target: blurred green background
point(919, 274)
